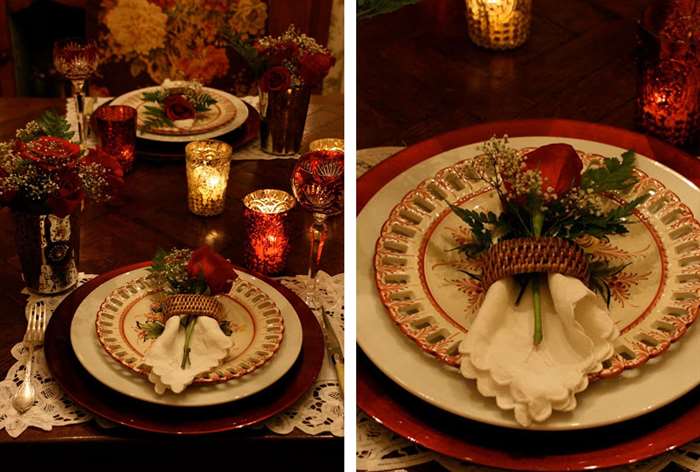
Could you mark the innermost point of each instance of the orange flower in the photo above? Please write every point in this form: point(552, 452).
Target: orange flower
point(205, 64)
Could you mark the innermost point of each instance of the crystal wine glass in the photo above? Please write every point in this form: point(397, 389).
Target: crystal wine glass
point(76, 59)
point(317, 183)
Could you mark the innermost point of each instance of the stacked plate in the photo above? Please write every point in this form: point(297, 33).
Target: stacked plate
point(98, 335)
point(229, 119)
point(416, 307)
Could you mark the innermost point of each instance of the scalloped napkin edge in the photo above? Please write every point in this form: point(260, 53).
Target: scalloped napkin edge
point(534, 381)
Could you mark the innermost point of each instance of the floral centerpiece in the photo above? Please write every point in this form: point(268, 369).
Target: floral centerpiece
point(142, 40)
point(44, 179)
point(531, 262)
point(189, 282)
point(287, 67)
point(171, 106)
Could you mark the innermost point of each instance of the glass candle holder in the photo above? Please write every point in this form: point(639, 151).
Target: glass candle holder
point(669, 102)
point(499, 24)
point(327, 144)
point(115, 126)
point(208, 164)
point(265, 217)
point(668, 94)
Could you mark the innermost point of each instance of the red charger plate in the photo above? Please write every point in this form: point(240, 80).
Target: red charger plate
point(90, 394)
point(623, 443)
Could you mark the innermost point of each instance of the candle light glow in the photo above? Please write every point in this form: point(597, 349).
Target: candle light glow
point(208, 165)
point(327, 144)
point(669, 102)
point(499, 24)
point(267, 232)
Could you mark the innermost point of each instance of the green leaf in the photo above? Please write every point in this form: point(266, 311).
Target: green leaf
point(155, 117)
point(201, 101)
point(156, 96)
point(151, 329)
point(369, 8)
point(225, 327)
point(53, 124)
point(247, 51)
point(614, 175)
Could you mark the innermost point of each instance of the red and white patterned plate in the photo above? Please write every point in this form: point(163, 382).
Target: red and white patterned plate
point(255, 321)
point(428, 293)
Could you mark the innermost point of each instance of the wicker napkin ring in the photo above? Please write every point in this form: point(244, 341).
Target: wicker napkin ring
point(193, 305)
point(528, 255)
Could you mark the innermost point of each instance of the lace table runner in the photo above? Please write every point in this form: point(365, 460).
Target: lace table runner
point(320, 410)
point(379, 449)
point(251, 151)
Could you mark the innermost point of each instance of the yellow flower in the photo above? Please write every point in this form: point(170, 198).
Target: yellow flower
point(136, 26)
point(250, 17)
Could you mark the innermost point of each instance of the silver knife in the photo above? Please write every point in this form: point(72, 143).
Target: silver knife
point(334, 348)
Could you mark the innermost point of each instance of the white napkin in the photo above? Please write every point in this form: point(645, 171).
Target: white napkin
point(209, 345)
point(535, 380)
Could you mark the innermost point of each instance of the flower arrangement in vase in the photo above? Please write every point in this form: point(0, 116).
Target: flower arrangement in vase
point(288, 67)
point(45, 179)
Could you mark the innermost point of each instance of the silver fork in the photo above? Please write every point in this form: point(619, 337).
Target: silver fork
point(36, 327)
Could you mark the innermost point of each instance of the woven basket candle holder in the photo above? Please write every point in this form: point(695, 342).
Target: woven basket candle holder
point(529, 255)
point(193, 305)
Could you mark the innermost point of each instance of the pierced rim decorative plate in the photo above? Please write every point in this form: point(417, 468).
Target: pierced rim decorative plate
point(255, 321)
point(429, 295)
point(228, 113)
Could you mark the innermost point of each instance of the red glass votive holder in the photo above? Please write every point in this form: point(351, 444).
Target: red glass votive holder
point(115, 126)
point(265, 217)
point(668, 85)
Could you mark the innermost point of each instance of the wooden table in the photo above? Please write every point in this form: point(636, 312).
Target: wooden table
point(418, 74)
point(153, 213)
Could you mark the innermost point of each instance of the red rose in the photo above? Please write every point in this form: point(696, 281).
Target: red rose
point(217, 271)
point(559, 165)
point(69, 197)
point(114, 174)
point(315, 67)
point(50, 153)
point(178, 107)
point(275, 78)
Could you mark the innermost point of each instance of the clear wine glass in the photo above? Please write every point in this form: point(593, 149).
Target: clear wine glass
point(317, 183)
point(76, 59)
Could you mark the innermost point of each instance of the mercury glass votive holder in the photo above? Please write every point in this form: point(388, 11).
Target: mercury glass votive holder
point(208, 164)
point(499, 24)
point(327, 144)
point(267, 242)
point(115, 126)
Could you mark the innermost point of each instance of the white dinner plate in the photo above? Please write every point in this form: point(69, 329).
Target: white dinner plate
point(636, 392)
point(104, 368)
point(133, 99)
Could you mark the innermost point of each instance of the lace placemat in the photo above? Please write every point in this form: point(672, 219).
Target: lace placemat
point(378, 449)
point(320, 410)
point(250, 152)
